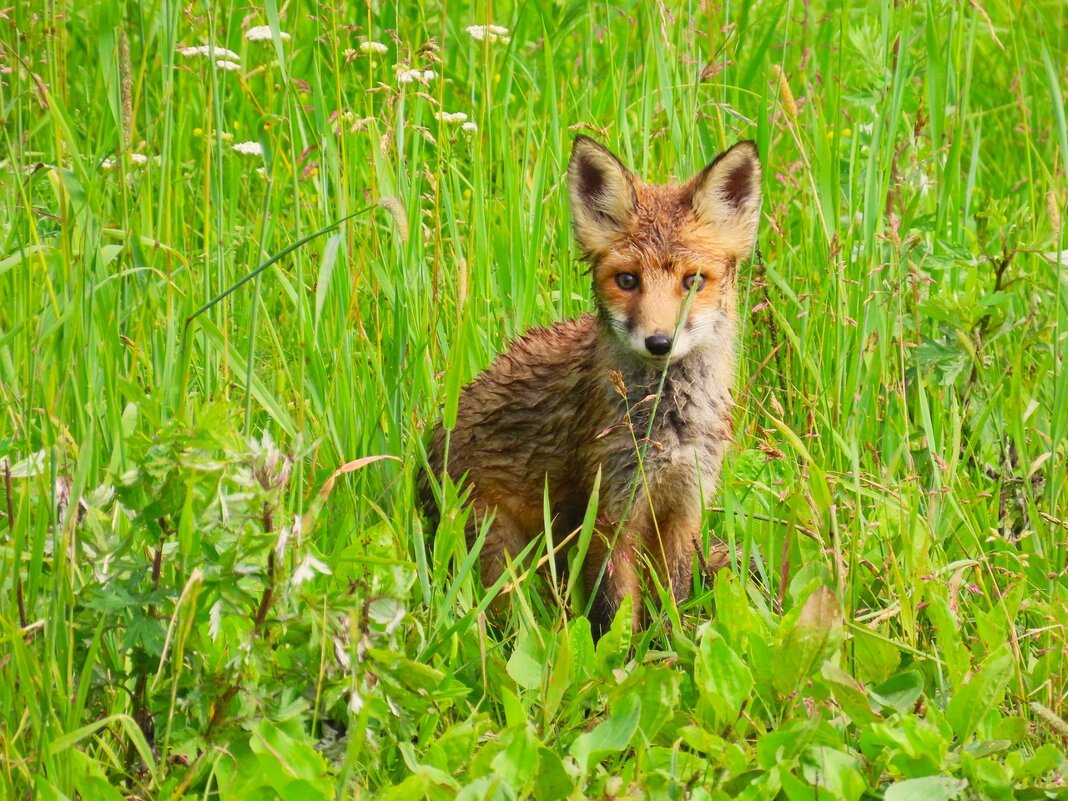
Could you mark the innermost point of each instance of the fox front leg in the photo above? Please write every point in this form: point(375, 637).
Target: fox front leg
point(671, 548)
point(505, 541)
point(612, 572)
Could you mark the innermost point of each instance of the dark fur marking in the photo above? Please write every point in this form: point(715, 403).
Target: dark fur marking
point(677, 423)
point(730, 269)
point(739, 184)
point(602, 612)
point(591, 179)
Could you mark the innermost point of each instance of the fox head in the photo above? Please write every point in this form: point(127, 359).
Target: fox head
point(664, 257)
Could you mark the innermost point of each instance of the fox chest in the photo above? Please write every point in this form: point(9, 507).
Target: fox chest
point(671, 445)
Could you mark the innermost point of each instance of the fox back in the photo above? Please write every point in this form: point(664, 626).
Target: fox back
point(638, 392)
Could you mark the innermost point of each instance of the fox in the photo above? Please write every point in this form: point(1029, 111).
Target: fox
point(638, 392)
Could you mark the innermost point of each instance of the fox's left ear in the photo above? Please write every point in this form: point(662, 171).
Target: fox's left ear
point(726, 194)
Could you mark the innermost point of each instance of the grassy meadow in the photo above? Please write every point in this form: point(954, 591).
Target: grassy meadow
point(215, 582)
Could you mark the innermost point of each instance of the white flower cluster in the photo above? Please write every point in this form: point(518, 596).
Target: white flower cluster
point(262, 33)
point(373, 48)
point(209, 50)
point(224, 59)
point(489, 33)
point(405, 76)
point(453, 118)
point(136, 159)
point(249, 148)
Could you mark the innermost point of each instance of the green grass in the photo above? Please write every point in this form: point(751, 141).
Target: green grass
point(899, 472)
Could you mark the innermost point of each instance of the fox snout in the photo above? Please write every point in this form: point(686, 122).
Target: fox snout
point(655, 324)
point(658, 344)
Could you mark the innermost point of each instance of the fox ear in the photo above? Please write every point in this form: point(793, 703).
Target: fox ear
point(602, 196)
point(726, 194)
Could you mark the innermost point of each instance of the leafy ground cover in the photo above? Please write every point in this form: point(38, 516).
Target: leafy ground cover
point(214, 580)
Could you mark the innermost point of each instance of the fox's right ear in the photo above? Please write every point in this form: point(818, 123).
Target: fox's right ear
point(602, 196)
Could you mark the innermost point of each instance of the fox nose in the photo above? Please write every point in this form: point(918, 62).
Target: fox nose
point(658, 344)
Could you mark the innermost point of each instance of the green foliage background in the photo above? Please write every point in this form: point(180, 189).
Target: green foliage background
point(194, 603)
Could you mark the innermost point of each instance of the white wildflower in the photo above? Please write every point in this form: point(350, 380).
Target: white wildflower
point(469, 127)
point(373, 48)
point(298, 528)
point(454, 117)
point(341, 654)
point(489, 33)
point(214, 620)
point(101, 496)
point(398, 616)
point(414, 76)
point(355, 701)
point(307, 570)
point(139, 160)
point(229, 66)
point(32, 465)
point(284, 535)
point(249, 148)
point(209, 50)
point(262, 33)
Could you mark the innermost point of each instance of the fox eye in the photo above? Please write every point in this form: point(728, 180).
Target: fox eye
point(689, 281)
point(627, 281)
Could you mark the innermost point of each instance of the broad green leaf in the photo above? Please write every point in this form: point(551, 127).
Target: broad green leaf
point(984, 691)
point(834, 771)
point(722, 678)
point(453, 747)
point(987, 777)
point(553, 781)
point(411, 787)
point(580, 639)
point(929, 788)
point(657, 687)
point(947, 631)
point(850, 694)
point(610, 736)
point(913, 746)
point(876, 658)
point(611, 649)
point(517, 762)
point(813, 637)
point(900, 692)
point(1046, 758)
point(297, 760)
point(527, 662)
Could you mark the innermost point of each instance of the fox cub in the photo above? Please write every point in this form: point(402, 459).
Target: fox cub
point(565, 402)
